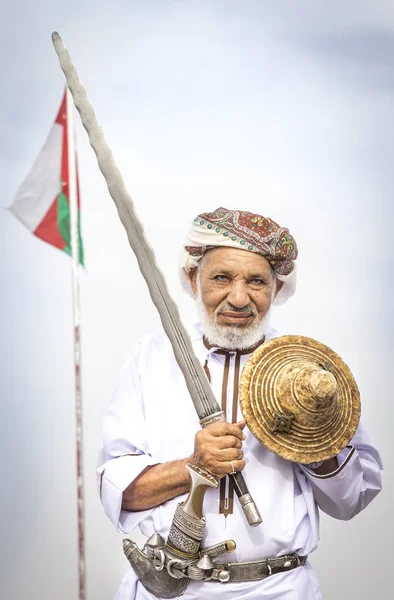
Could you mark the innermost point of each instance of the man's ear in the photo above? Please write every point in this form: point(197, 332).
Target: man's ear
point(192, 275)
point(278, 286)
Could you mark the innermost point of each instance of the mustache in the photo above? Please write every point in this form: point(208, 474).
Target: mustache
point(236, 309)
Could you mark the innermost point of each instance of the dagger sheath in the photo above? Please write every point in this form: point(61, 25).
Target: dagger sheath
point(197, 383)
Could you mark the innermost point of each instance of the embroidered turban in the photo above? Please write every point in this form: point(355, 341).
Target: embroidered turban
point(245, 231)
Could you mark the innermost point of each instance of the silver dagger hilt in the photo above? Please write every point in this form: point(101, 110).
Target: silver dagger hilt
point(188, 525)
point(201, 480)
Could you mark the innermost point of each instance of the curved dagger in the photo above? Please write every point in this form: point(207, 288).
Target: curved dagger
point(200, 390)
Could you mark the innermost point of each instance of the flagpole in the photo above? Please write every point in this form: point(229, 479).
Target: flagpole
point(73, 201)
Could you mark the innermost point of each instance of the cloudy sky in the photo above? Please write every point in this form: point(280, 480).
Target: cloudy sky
point(284, 108)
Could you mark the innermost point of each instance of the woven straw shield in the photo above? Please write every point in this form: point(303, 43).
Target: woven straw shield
point(299, 399)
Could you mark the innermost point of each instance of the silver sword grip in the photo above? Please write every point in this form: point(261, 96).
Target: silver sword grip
point(249, 507)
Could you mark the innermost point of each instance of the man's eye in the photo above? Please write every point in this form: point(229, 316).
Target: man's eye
point(222, 278)
point(257, 282)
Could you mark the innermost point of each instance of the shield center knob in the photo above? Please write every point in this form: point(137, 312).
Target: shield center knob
point(323, 386)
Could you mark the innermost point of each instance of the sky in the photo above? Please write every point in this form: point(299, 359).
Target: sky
point(286, 109)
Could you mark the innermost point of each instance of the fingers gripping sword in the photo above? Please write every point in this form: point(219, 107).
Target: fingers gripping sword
point(200, 390)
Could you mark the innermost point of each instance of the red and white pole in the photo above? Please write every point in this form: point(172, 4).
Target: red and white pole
point(74, 230)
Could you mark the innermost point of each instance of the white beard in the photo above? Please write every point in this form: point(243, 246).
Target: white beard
point(230, 337)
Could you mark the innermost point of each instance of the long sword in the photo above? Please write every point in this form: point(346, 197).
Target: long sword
point(204, 401)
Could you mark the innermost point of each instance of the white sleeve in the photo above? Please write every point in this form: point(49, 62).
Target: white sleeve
point(124, 453)
point(354, 484)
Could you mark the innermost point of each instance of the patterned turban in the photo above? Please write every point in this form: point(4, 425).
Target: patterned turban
point(245, 231)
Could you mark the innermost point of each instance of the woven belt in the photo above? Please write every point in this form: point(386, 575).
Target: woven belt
point(256, 570)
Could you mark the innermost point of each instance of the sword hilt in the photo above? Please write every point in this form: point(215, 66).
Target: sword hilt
point(248, 505)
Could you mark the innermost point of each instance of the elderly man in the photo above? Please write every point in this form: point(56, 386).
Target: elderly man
point(236, 265)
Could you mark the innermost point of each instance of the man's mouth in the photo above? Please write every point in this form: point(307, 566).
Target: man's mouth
point(238, 318)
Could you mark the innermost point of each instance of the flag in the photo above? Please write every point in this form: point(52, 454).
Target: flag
point(42, 202)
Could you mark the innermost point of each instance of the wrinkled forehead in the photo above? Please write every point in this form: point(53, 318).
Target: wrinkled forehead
point(235, 261)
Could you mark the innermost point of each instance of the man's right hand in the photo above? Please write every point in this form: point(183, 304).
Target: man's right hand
point(219, 445)
point(214, 448)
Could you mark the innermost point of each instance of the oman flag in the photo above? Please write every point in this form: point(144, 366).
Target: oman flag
point(42, 202)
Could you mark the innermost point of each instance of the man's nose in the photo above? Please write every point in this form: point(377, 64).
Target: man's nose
point(238, 295)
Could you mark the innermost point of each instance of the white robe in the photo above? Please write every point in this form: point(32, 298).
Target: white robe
point(151, 420)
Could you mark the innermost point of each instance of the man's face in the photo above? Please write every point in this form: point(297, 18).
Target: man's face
point(236, 287)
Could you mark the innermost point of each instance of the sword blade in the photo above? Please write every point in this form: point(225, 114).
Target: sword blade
point(197, 383)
